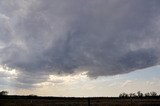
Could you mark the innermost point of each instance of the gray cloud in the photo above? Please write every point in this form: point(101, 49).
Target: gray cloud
point(107, 37)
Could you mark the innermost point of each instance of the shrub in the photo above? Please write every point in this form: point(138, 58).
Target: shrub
point(3, 93)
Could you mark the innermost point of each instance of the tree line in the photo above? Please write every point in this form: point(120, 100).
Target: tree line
point(121, 95)
point(138, 94)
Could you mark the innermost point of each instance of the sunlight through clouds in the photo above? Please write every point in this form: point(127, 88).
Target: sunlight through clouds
point(8, 72)
point(65, 79)
point(8, 78)
point(69, 78)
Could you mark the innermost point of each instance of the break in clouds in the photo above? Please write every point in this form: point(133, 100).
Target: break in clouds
point(105, 37)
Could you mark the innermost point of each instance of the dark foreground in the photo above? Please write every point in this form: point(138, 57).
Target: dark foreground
point(60, 101)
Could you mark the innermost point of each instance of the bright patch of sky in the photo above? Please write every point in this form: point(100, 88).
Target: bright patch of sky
point(145, 80)
point(144, 74)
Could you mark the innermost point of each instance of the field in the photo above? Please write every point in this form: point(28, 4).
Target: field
point(58, 101)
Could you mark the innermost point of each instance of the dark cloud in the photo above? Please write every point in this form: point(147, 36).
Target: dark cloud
point(107, 37)
point(139, 59)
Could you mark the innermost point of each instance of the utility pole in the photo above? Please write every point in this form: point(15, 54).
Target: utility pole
point(89, 102)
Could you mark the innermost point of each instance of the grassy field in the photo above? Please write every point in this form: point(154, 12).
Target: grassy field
point(57, 101)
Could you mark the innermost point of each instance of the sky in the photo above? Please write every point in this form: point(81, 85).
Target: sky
point(79, 47)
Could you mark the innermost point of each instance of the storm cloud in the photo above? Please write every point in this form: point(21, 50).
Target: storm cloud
point(106, 37)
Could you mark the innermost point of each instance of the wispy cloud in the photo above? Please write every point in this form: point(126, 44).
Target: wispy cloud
point(126, 83)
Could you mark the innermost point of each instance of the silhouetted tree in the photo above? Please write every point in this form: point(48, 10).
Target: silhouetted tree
point(3, 93)
point(139, 94)
point(153, 94)
point(124, 95)
point(132, 95)
point(120, 95)
point(147, 94)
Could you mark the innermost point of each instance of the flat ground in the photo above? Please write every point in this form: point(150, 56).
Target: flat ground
point(54, 101)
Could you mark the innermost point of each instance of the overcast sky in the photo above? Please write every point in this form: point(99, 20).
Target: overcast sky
point(70, 47)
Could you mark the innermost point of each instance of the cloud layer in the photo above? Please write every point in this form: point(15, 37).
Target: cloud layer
point(105, 37)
